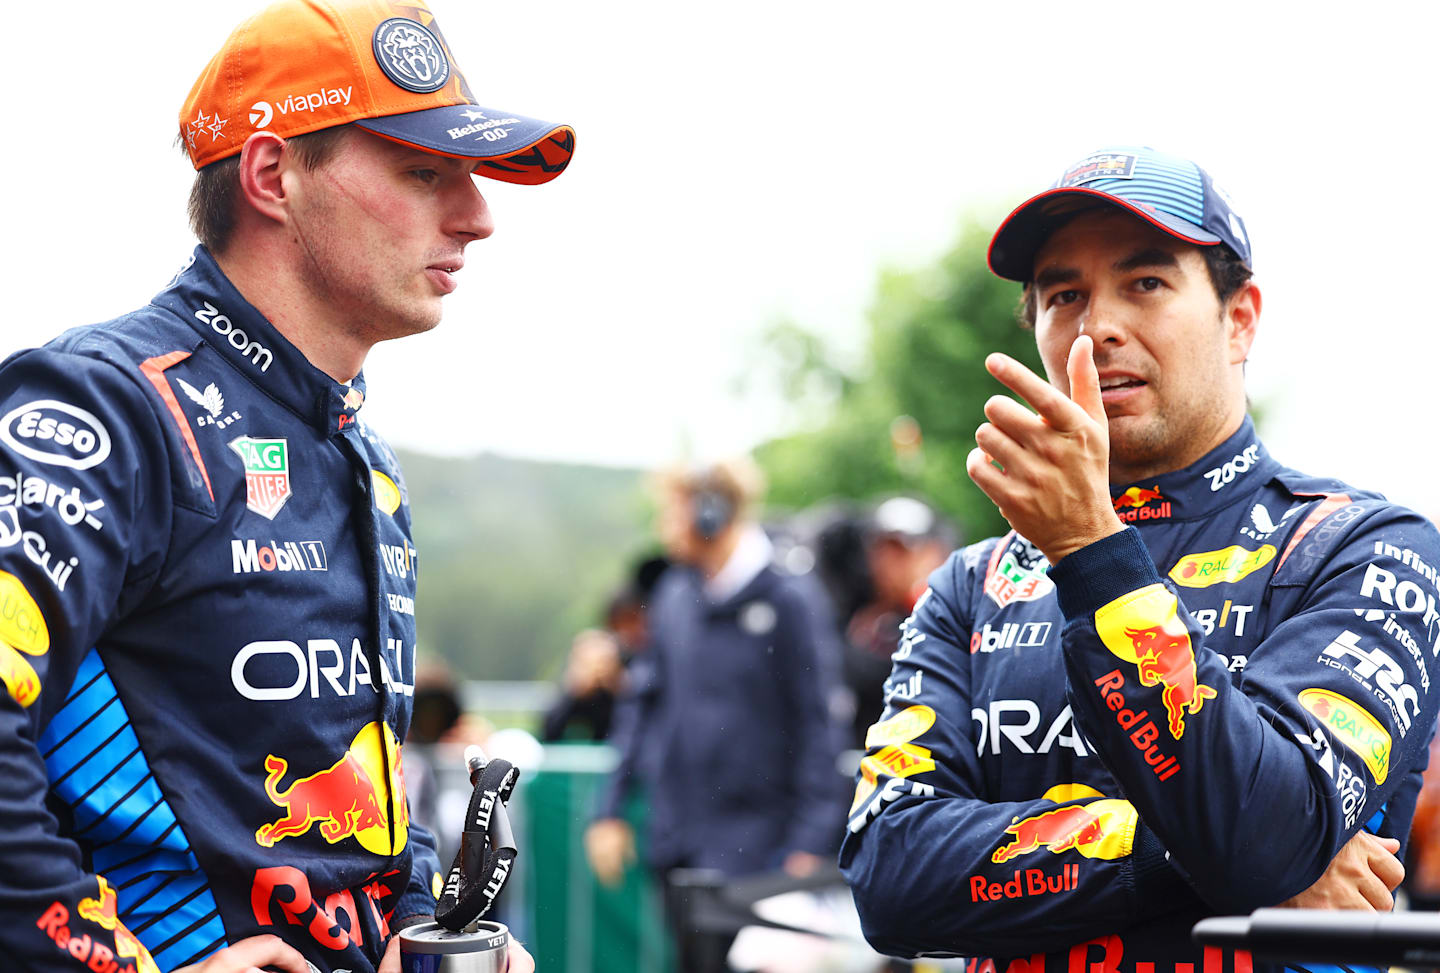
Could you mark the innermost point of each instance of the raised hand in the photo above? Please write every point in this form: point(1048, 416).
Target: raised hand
point(1049, 470)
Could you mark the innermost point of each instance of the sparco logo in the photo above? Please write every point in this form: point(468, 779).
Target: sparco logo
point(247, 557)
point(239, 340)
point(56, 433)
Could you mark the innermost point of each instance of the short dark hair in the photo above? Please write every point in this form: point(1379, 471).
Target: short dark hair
point(217, 186)
point(1227, 275)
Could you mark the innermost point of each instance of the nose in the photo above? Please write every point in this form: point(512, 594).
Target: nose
point(1104, 321)
point(470, 217)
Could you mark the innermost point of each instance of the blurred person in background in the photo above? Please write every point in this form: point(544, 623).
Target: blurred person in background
point(734, 739)
point(904, 540)
point(1190, 680)
point(600, 662)
point(592, 678)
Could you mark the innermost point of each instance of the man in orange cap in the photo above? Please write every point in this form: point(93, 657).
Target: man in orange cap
point(207, 576)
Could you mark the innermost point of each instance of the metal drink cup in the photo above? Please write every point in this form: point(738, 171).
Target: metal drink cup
point(482, 947)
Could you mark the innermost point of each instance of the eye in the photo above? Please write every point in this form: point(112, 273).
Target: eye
point(427, 176)
point(1149, 283)
point(1062, 298)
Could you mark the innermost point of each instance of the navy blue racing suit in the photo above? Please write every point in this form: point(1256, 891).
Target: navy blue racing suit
point(207, 643)
point(1191, 717)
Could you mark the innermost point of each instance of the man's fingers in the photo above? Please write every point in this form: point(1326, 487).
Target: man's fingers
point(518, 960)
point(1084, 379)
point(1050, 402)
point(1013, 419)
point(1386, 867)
point(1376, 895)
point(390, 962)
point(991, 481)
point(252, 953)
point(1000, 447)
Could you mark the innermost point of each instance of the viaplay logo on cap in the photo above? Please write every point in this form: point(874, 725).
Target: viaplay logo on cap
point(410, 55)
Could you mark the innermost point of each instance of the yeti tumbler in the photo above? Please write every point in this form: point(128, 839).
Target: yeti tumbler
point(431, 948)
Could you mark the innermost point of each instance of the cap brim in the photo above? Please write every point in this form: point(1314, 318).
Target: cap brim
point(1024, 231)
point(508, 147)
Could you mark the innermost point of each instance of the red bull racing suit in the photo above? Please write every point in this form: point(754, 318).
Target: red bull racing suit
point(1078, 762)
point(207, 642)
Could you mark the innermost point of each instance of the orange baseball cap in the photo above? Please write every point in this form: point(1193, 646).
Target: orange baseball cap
point(302, 65)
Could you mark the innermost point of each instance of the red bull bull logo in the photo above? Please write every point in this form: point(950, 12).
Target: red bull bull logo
point(1099, 829)
point(1144, 628)
point(343, 799)
point(1055, 831)
point(1135, 505)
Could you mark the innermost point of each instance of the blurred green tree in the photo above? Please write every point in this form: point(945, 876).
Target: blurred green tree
point(906, 420)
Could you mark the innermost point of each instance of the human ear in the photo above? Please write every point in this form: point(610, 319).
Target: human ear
point(1242, 320)
point(262, 166)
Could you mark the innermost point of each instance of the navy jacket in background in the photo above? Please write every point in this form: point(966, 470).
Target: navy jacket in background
point(207, 642)
point(728, 724)
point(1191, 717)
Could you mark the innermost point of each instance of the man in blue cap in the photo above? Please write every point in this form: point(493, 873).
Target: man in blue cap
point(1190, 680)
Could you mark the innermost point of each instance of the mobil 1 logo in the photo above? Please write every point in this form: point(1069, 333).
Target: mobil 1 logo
point(256, 557)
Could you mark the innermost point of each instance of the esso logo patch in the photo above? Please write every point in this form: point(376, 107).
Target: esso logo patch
point(56, 433)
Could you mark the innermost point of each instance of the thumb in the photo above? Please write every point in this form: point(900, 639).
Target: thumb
point(1084, 379)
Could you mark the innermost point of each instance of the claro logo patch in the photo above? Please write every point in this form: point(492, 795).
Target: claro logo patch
point(56, 433)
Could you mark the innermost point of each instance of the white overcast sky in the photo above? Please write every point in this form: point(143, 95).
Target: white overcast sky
point(747, 161)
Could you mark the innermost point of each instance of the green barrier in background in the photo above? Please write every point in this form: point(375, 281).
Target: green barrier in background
point(573, 924)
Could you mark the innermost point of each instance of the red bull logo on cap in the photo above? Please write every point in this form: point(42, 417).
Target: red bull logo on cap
point(1135, 505)
point(343, 799)
point(1144, 628)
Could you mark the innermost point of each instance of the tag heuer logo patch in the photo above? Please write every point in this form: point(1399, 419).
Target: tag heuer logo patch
point(267, 473)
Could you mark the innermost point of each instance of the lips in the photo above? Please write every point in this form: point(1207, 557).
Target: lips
point(1116, 387)
point(442, 276)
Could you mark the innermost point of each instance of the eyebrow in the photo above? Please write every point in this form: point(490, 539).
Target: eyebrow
point(1151, 257)
point(1051, 276)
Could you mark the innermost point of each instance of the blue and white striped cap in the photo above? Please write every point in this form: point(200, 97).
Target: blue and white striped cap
point(1173, 194)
